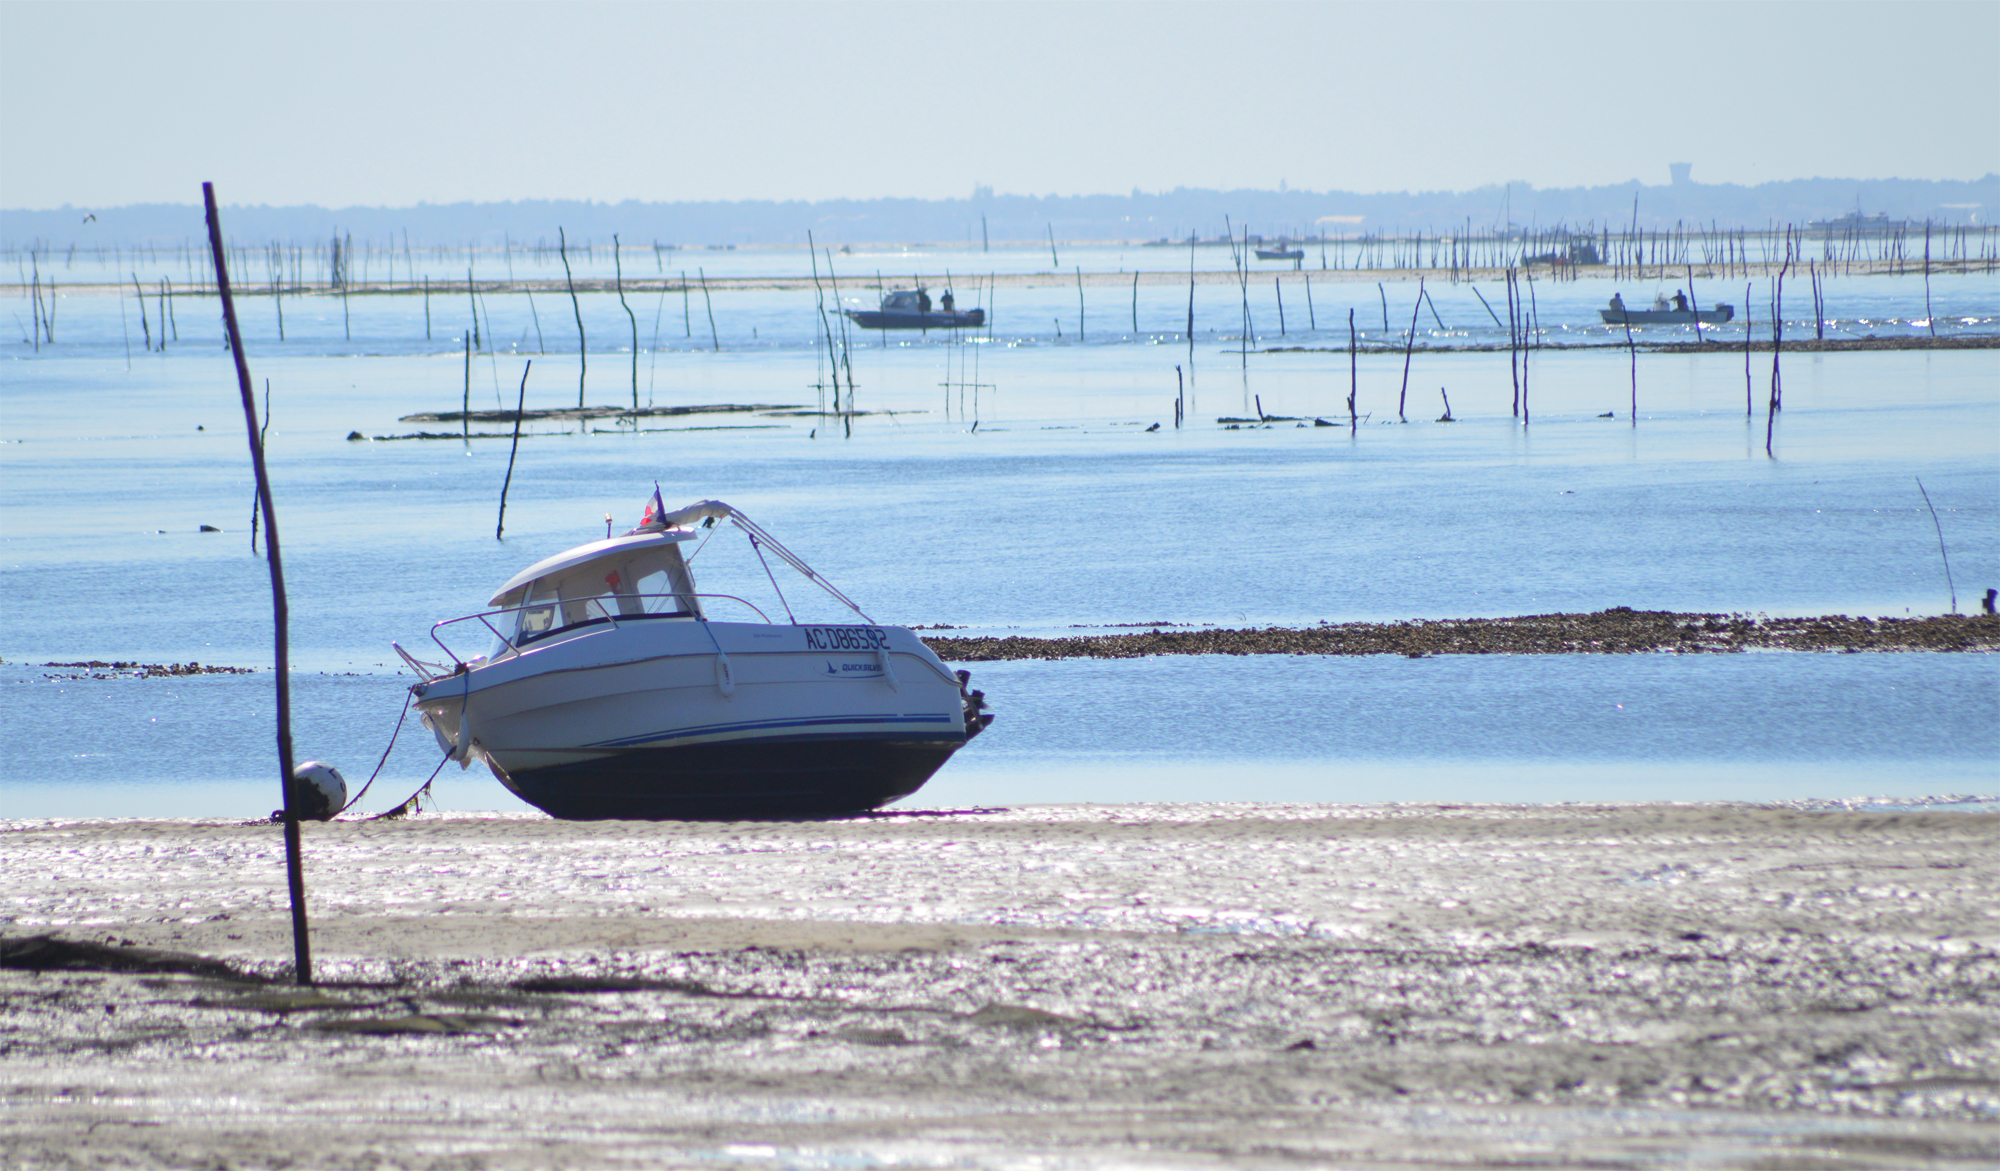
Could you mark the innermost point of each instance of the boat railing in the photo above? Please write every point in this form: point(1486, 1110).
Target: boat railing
point(594, 601)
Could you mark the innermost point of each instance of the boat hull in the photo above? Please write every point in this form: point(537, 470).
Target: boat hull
point(651, 720)
point(936, 319)
point(1716, 316)
point(743, 781)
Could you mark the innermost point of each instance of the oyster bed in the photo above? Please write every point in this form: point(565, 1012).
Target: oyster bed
point(1616, 631)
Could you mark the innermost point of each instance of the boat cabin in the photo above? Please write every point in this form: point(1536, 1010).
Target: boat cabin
point(640, 576)
point(903, 301)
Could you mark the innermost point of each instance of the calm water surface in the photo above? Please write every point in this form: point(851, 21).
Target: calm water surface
point(1059, 511)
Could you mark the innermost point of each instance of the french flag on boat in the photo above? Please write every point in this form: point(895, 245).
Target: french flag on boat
point(655, 509)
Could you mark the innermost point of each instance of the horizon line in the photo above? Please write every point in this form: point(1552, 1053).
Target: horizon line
point(986, 194)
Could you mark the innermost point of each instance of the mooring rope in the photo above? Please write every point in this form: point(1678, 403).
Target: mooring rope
point(410, 805)
point(408, 699)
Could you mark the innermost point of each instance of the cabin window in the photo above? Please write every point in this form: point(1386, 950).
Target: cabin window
point(651, 584)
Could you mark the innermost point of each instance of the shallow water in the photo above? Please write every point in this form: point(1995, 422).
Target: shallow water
point(1058, 511)
point(1770, 727)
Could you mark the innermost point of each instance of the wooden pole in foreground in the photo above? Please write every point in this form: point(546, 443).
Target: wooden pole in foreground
point(294, 868)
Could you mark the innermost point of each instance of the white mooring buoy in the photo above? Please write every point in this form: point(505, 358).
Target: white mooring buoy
point(318, 790)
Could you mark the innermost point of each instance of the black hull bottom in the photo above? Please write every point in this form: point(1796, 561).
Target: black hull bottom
point(735, 782)
point(1718, 316)
point(936, 319)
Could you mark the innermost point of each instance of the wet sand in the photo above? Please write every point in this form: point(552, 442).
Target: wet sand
point(1067, 986)
point(1620, 630)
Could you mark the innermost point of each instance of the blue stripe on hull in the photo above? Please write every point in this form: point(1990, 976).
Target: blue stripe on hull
point(665, 737)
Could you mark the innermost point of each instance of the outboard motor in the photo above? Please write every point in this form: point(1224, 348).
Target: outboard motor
point(976, 715)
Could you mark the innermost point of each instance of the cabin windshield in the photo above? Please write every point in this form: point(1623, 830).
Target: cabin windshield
point(641, 584)
point(900, 301)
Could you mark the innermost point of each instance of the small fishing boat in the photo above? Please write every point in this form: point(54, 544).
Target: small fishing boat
point(1281, 252)
point(1665, 312)
point(911, 309)
point(608, 691)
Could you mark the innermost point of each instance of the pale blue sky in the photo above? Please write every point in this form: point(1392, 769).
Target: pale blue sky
point(391, 104)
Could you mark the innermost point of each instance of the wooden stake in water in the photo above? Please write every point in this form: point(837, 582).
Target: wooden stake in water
point(1777, 348)
point(1634, 351)
point(714, 339)
point(140, 292)
point(618, 266)
point(1409, 346)
point(256, 501)
point(1748, 411)
point(520, 408)
point(1353, 375)
point(1190, 319)
point(582, 357)
point(280, 619)
point(1692, 304)
point(1929, 316)
point(1941, 552)
point(1531, 341)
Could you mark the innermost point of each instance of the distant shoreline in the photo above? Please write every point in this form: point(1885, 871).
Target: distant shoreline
point(1615, 631)
point(246, 285)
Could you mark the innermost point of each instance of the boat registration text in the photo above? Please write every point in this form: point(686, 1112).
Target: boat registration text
point(846, 638)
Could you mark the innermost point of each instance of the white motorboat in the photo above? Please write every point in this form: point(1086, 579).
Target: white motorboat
point(609, 692)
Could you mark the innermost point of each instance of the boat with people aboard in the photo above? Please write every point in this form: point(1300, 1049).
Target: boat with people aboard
point(1284, 251)
point(912, 309)
point(1677, 310)
point(609, 691)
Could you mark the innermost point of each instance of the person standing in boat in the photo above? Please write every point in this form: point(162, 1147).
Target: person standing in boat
point(945, 302)
point(1617, 303)
point(923, 301)
point(1680, 301)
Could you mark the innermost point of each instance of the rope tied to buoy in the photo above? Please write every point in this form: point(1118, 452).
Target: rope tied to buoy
point(354, 800)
